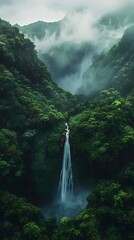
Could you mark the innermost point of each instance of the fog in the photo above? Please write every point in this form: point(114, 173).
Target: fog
point(70, 45)
point(70, 51)
point(70, 209)
point(28, 11)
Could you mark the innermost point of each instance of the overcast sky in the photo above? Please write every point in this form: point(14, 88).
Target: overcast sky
point(28, 11)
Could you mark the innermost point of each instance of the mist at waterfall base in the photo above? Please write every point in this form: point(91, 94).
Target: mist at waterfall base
point(69, 208)
point(68, 202)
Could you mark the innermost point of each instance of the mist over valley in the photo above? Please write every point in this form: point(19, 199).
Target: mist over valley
point(67, 120)
point(68, 47)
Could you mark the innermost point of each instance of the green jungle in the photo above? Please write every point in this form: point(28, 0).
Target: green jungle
point(33, 112)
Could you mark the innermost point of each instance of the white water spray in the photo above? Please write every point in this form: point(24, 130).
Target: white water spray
point(65, 188)
point(67, 203)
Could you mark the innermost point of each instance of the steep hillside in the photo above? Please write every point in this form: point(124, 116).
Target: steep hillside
point(68, 47)
point(64, 62)
point(33, 111)
point(32, 115)
point(41, 29)
point(102, 153)
point(112, 69)
point(66, 52)
point(30, 121)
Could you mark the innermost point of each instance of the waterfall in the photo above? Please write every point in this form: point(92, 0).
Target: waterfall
point(67, 202)
point(65, 188)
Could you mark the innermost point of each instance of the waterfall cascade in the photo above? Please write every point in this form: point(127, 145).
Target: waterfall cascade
point(67, 203)
point(65, 188)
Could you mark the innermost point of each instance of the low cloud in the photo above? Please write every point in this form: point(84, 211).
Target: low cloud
point(69, 54)
point(95, 6)
point(27, 11)
point(7, 2)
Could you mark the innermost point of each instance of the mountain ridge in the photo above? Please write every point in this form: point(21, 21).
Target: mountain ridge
point(70, 36)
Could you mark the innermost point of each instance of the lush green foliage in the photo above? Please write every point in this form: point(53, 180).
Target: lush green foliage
point(32, 114)
point(30, 107)
point(20, 220)
point(31, 123)
point(103, 135)
point(109, 215)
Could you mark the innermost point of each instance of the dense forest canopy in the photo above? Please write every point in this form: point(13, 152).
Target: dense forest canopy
point(33, 110)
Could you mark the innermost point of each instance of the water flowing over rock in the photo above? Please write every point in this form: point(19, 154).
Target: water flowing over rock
point(69, 201)
point(65, 188)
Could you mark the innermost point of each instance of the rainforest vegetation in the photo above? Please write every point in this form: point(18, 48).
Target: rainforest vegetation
point(33, 111)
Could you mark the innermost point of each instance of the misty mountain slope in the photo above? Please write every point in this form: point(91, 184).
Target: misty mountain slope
point(67, 61)
point(19, 56)
point(112, 69)
point(68, 47)
point(117, 19)
point(66, 52)
point(32, 109)
point(75, 53)
point(41, 29)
